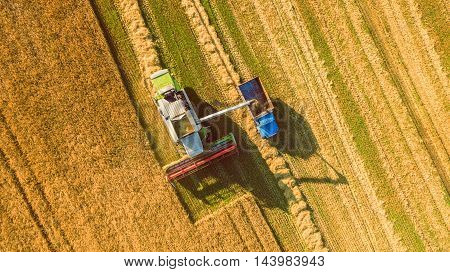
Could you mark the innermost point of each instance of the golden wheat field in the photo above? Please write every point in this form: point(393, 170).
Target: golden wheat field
point(361, 92)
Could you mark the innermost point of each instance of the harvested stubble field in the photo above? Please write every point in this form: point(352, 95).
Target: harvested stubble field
point(361, 90)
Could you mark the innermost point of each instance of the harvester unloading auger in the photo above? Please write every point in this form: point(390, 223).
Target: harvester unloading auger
point(185, 128)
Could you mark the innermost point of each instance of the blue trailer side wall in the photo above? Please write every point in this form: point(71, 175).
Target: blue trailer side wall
point(267, 126)
point(261, 109)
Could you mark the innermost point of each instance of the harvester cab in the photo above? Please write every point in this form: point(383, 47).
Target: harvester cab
point(185, 128)
point(177, 113)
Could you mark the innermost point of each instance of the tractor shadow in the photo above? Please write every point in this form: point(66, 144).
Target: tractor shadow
point(296, 138)
point(341, 179)
point(231, 176)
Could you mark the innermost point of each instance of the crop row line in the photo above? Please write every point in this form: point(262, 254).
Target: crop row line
point(406, 165)
point(382, 167)
point(417, 166)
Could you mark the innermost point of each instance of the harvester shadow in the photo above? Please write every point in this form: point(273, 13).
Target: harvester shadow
point(244, 172)
point(296, 138)
point(340, 180)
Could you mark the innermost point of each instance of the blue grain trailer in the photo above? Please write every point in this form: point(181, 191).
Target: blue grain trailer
point(261, 108)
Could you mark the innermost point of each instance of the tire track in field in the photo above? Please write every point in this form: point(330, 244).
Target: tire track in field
point(443, 94)
point(429, 163)
point(260, 229)
point(383, 100)
point(29, 207)
point(259, 224)
point(404, 121)
point(242, 238)
point(236, 213)
point(212, 47)
point(229, 237)
point(238, 231)
point(414, 70)
point(422, 159)
point(31, 190)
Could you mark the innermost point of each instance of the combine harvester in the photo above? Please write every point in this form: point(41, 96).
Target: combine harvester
point(185, 128)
